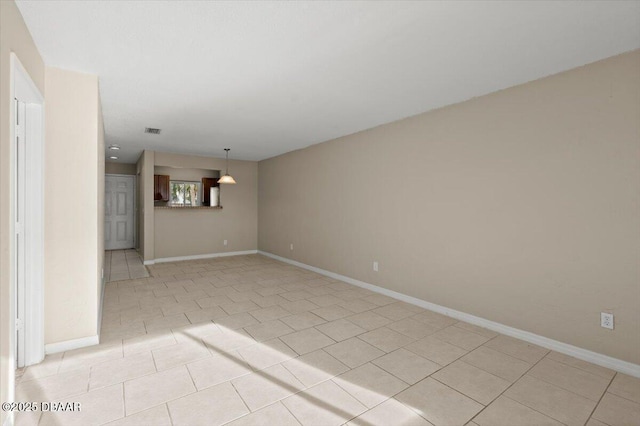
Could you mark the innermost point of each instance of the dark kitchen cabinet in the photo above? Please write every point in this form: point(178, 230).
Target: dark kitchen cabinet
point(161, 187)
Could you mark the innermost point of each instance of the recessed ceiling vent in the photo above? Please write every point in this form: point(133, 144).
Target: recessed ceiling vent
point(152, 130)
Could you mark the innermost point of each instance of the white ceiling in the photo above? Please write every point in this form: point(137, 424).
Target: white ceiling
point(264, 78)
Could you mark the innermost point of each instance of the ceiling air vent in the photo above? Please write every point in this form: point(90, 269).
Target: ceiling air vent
point(152, 130)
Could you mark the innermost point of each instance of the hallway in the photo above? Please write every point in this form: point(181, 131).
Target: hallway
point(123, 265)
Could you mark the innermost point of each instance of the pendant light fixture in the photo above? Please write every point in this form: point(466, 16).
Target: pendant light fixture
point(227, 177)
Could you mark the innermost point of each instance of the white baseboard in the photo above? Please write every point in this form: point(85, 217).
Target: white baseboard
point(574, 351)
point(69, 345)
point(199, 256)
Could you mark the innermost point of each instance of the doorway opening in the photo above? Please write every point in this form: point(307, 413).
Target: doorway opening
point(121, 260)
point(119, 212)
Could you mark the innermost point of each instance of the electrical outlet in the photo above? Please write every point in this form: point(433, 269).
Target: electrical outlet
point(375, 266)
point(225, 243)
point(291, 246)
point(606, 320)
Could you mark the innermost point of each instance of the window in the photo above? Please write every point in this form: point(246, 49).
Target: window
point(185, 193)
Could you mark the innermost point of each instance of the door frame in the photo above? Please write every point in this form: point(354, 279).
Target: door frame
point(24, 89)
point(135, 205)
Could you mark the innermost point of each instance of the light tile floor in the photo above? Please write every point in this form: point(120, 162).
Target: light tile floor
point(122, 265)
point(251, 341)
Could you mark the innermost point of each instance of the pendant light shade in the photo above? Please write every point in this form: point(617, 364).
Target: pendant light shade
point(227, 178)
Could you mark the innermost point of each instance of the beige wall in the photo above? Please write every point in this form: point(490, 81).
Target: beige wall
point(14, 37)
point(140, 203)
point(119, 168)
point(145, 170)
point(74, 186)
point(148, 212)
point(521, 207)
point(194, 232)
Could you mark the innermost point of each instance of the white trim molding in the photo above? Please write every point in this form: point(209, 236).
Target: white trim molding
point(68, 345)
point(199, 256)
point(574, 351)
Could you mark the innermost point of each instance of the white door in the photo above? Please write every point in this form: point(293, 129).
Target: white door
point(19, 243)
point(27, 205)
point(118, 215)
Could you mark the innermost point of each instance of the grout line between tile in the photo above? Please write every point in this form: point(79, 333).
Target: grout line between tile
point(239, 395)
point(622, 397)
point(290, 412)
point(124, 401)
point(169, 412)
point(567, 390)
point(601, 397)
point(509, 387)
